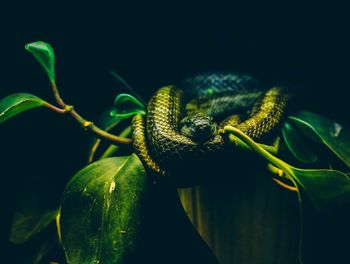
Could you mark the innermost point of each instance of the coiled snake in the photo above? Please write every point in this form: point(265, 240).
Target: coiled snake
point(183, 124)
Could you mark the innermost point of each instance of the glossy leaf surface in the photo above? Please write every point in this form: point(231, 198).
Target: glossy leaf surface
point(15, 104)
point(332, 134)
point(44, 54)
point(100, 211)
point(325, 188)
point(297, 145)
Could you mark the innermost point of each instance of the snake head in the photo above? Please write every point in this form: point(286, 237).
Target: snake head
point(198, 127)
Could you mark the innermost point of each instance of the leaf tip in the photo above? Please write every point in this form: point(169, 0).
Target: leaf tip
point(44, 54)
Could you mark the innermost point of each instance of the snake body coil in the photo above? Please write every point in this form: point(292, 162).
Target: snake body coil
point(230, 99)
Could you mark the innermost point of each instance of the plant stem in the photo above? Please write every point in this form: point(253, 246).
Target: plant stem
point(286, 186)
point(281, 174)
point(262, 152)
point(112, 149)
point(242, 145)
point(57, 95)
point(277, 171)
point(278, 163)
point(58, 226)
point(97, 142)
point(55, 108)
point(87, 125)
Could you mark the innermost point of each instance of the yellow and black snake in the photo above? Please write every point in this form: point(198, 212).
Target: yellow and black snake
point(183, 123)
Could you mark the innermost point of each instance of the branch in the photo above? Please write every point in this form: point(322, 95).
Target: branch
point(87, 125)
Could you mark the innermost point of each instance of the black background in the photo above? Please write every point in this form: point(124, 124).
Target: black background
point(149, 46)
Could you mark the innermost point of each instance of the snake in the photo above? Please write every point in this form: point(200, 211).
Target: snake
point(184, 123)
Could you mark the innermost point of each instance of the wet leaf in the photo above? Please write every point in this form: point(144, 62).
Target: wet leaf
point(15, 104)
point(297, 144)
point(44, 54)
point(101, 210)
point(333, 135)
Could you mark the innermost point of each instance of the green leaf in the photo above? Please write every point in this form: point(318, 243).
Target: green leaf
point(335, 136)
point(127, 105)
point(101, 211)
point(120, 80)
point(30, 218)
point(44, 54)
point(325, 188)
point(297, 144)
point(107, 120)
point(15, 104)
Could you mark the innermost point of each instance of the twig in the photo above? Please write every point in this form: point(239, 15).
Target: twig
point(87, 125)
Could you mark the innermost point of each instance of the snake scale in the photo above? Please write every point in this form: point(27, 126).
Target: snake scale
point(183, 124)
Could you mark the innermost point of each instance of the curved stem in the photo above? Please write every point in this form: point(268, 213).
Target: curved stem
point(242, 145)
point(112, 149)
point(286, 186)
point(93, 150)
point(55, 108)
point(280, 174)
point(260, 150)
point(264, 153)
point(278, 163)
point(57, 95)
point(58, 226)
point(87, 125)
point(97, 142)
